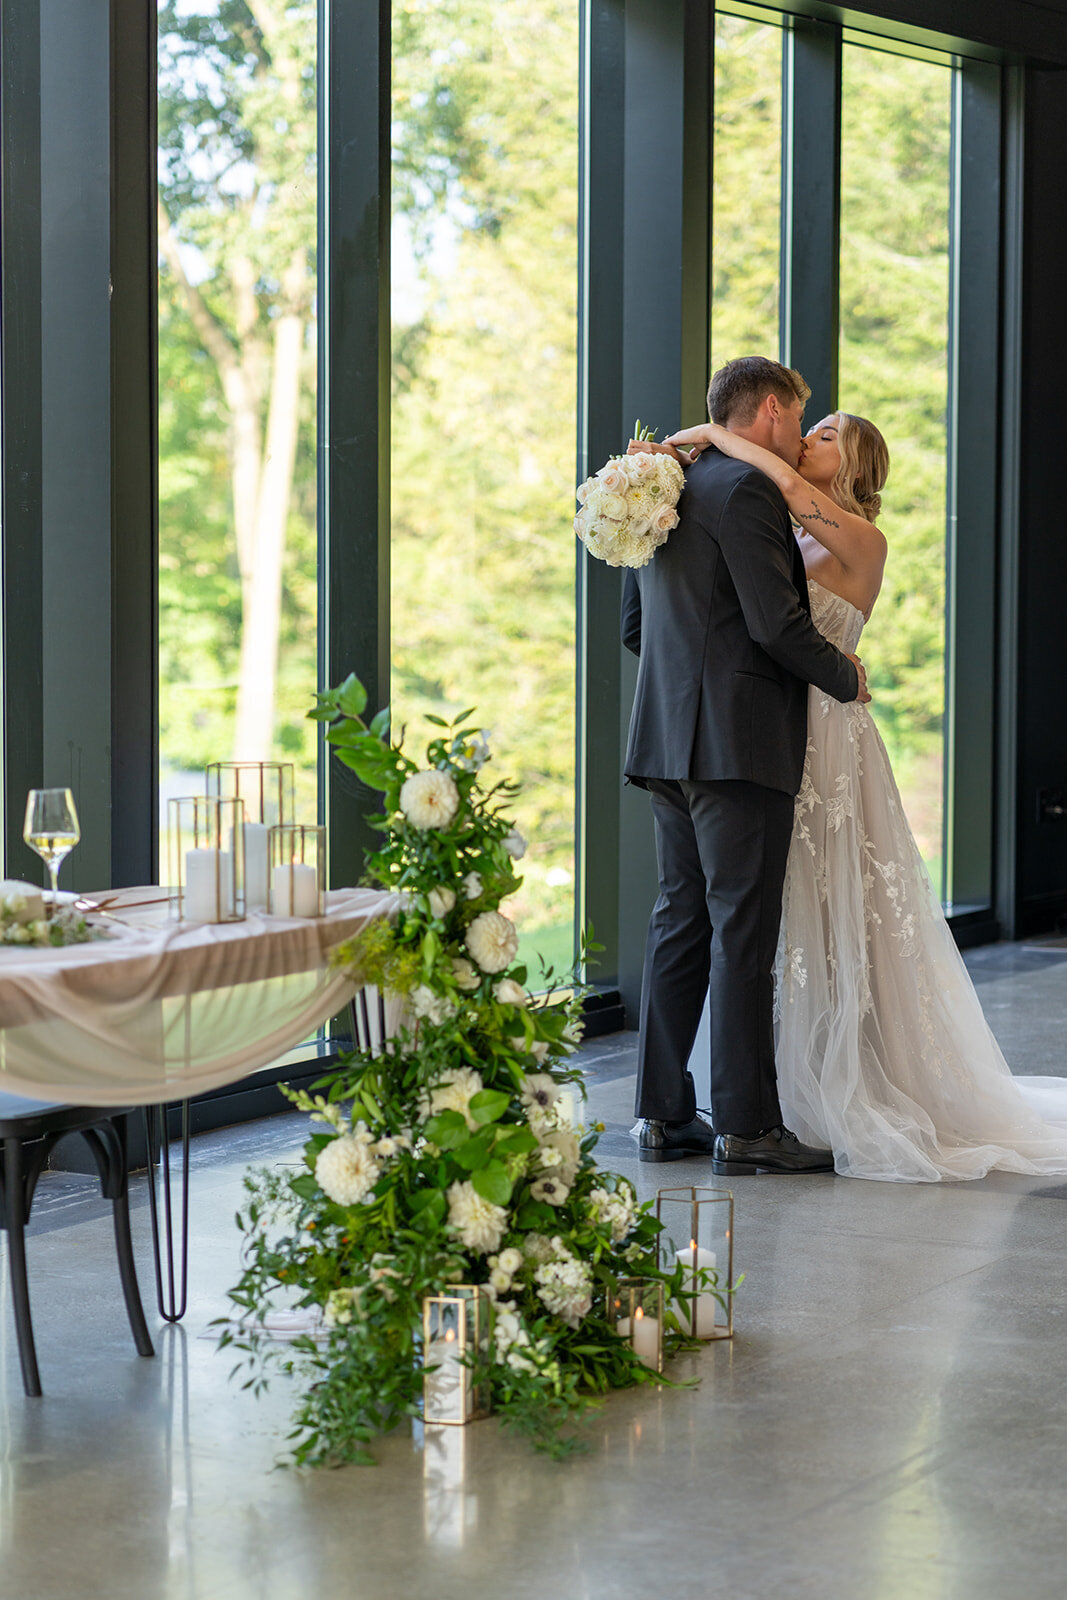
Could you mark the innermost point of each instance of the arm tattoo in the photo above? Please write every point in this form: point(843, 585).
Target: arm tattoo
point(815, 515)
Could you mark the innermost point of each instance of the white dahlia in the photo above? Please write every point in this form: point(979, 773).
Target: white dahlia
point(493, 941)
point(478, 1223)
point(429, 799)
point(347, 1170)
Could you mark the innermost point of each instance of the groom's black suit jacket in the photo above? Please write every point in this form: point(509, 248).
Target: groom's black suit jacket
point(721, 621)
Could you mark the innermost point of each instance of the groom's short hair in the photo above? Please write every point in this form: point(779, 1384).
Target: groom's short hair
point(739, 388)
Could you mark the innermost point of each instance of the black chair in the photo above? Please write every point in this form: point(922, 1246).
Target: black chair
point(29, 1130)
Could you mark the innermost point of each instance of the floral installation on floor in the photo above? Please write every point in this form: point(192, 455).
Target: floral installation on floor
point(449, 1156)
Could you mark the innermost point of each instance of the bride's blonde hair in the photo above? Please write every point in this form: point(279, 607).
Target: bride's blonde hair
point(857, 483)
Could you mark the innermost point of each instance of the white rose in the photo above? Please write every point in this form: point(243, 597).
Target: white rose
point(663, 519)
point(472, 885)
point(510, 1260)
point(510, 993)
point(583, 491)
point(478, 1223)
point(642, 465)
point(464, 974)
point(500, 1280)
point(538, 1048)
point(515, 844)
point(346, 1170)
point(613, 478)
point(429, 799)
point(441, 901)
point(493, 941)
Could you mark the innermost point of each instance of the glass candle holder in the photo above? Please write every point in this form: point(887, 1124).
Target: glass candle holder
point(266, 788)
point(698, 1231)
point(205, 856)
point(455, 1327)
point(297, 857)
point(636, 1308)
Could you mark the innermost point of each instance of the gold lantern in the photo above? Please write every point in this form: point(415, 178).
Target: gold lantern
point(266, 789)
point(455, 1331)
point(205, 849)
point(636, 1307)
point(297, 857)
point(698, 1232)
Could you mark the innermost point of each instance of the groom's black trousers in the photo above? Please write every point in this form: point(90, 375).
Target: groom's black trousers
point(722, 850)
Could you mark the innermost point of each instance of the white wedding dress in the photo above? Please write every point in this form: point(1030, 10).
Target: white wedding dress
point(882, 1048)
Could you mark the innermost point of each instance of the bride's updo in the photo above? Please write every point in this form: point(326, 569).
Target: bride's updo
point(858, 481)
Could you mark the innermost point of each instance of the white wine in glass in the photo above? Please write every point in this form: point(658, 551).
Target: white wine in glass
point(51, 828)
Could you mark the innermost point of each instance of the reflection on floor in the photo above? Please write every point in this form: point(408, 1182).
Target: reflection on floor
point(889, 1424)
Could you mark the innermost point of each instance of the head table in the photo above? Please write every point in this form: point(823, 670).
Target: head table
point(159, 1010)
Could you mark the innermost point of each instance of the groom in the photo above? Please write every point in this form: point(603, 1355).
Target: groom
point(720, 620)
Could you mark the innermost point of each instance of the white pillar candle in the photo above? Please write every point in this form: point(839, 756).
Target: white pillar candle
point(566, 1107)
point(706, 1306)
point(645, 1340)
point(294, 890)
point(443, 1397)
point(208, 885)
point(256, 866)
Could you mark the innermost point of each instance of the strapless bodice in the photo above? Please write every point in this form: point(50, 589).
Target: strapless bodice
point(836, 618)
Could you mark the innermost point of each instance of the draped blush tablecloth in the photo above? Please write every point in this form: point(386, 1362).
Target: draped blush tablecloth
point(162, 1010)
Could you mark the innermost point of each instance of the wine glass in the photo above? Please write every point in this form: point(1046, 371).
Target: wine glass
point(51, 828)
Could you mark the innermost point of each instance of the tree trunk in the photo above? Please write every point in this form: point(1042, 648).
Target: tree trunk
point(261, 625)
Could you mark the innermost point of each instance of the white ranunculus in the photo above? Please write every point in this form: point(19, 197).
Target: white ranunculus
point(478, 1223)
point(433, 1007)
point(429, 799)
point(550, 1188)
point(455, 1093)
point(510, 993)
point(464, 974)
point(664, 518)
point(500, 1280)
point(472, 885)
point(583, 493)
point(493, 941)
point(515, 844)
point(441, 901)
point(346, 1169)
point(538, 1048)
point(510, 1260)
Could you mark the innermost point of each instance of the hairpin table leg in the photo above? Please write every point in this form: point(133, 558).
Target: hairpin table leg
point(171, 1305)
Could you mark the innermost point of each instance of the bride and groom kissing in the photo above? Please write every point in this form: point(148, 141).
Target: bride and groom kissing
point(791, 891)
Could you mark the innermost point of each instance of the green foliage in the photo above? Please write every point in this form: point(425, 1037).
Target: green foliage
point(448, 1156)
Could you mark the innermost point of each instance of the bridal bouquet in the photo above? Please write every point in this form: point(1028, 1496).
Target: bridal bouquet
point(628, 507)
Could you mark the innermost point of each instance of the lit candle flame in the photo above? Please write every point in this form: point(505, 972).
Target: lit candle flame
point(693, 1245)
point(450, 1334)
point(639, 1312)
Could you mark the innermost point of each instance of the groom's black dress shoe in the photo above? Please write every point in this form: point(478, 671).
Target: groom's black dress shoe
point(674, 1141)
point(777, 1150)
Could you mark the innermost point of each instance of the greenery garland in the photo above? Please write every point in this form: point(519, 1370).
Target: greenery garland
point(448, 1156)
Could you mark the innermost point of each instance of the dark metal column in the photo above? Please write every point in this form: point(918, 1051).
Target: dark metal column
point(646, 266)
point(811, 206)
point(354, 360)
point(974, 383)
point(134, 448)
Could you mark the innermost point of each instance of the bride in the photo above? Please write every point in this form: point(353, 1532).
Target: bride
point(883, 1051)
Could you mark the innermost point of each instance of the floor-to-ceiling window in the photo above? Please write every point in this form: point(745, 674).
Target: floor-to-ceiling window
point(896, 118)
point(747, 188)
point(237, 373)
point(484, 301)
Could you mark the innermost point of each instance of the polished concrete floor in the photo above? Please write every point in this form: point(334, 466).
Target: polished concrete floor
point(890, 1422)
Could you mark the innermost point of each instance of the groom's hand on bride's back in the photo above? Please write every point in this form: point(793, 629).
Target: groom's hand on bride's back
point(862, 695)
